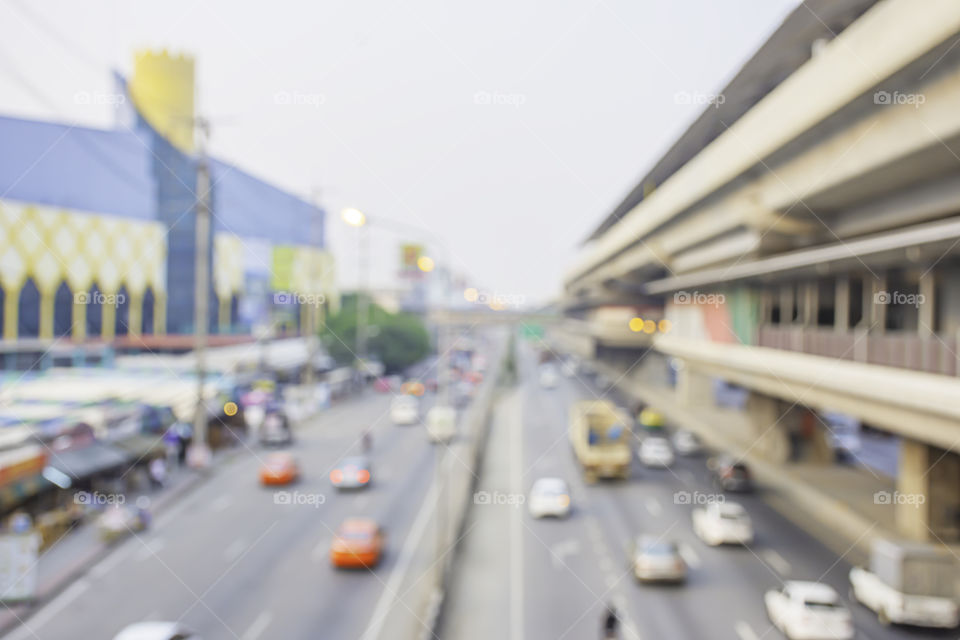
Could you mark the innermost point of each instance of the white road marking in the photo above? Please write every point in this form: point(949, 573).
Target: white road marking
point(103, 567)
point(221, 503)
point(629, 628)
point(560, 551)
point(50, 611)
point(258, 627)
point(653, 506)
point(744, 631)
point(606, 564)
point(689, 556)
point(150, 548)
point(320, 551)
point(389, 594)
point(776, 561)
point(232, 552)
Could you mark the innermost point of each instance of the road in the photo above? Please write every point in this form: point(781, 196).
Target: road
point(561, 574)
point(229, 562)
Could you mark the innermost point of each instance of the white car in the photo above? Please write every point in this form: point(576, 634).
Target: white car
point(441, 423)
point(656, 560)
point(548, 376)
point(549, 497)
point(405, 410)
point(655, 452)
point(808, 611)
point(156, 631)
point(686, 443)
point(723, 523)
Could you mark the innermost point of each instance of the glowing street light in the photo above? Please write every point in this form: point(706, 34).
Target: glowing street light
point(425, 264)
point(471, 294)
point(353, 217)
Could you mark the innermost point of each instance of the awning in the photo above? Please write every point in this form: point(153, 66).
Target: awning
point(82, 463)
point(141, 446)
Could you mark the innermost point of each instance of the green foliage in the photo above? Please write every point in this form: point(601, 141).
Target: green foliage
point(398, 341)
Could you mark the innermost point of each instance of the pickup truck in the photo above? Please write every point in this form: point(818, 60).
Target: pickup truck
point(908, 583)
point(600, 435)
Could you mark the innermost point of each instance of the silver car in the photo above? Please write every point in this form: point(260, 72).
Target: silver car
point(655, 560)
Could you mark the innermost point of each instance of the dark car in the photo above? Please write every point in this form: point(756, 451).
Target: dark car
point(730, 474)
point(275, 430)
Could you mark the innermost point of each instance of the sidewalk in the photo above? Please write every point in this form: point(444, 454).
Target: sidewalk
point(834, 503)
point(81, 548)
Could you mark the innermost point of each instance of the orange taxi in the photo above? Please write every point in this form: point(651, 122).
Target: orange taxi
point(278, 469)
point(357, 544)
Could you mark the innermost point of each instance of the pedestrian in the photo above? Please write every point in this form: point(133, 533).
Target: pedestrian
point(158, 472)
point(610, 623)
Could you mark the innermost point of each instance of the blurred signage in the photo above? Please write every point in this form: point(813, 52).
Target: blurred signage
point(282, 273)
point(18, 566)
point(409, 255)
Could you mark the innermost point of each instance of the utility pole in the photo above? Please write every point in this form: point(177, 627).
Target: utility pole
point(363, 302)
point(200, 451)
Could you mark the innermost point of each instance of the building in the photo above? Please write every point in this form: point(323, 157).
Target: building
point(802, 241)
point(97, 229)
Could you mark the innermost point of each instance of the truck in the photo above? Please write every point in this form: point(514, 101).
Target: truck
point(909, 583)
point(600, 436)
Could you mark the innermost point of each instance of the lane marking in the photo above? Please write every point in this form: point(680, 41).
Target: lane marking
point(232, 552)
point(103, 567)
point(745, 631)
point(560, 551)
point(28, 630)
point(221, 503)
point(320, 551)
point(653, 506)
point(390, 591)
point(258, 627)
point(150, 549)
point(689, 556)
point(776, 561)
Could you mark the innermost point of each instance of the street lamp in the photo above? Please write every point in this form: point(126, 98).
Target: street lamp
point(356, 218)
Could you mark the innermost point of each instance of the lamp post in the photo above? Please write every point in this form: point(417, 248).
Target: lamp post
point(356, 218)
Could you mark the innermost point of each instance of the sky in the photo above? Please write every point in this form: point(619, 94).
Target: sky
point(506, 130)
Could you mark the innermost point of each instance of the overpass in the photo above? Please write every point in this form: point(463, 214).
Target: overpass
point(802, 241)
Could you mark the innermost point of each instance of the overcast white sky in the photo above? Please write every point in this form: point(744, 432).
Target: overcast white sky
point(507, 128)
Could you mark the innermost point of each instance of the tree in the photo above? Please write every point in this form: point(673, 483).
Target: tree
point(398, 341)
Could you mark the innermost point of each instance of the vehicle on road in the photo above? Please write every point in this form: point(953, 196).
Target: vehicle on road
point(275, 429)
point(351, 473)
point(600, 436)
point(548, 376)
point(808, 611)
point(120, 520)
point(405, 410)
point(730, 474)
point(549, 497)
point(651, 419)
point(441, 423)
point(655, 452)
point(279, 469)
point(722, 523)
point(358, 544)
point(687, 443)
point(908, 583)
point(156, 631)
point(653, 559)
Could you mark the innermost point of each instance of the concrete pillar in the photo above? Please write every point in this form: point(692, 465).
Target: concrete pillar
point(11, 307)
point(786, 304)
point(811, 304)
point(841, 305)
point(135, 314)
point(79, 319)
point(927, 501)
point(927, 304)
point(768, 436)
point(876, 301)
point(694, 388)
